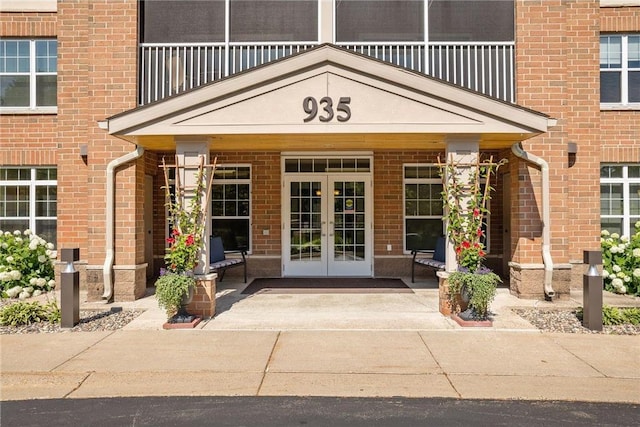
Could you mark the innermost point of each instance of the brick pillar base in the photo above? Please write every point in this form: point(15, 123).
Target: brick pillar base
point(203, 303)
point(527, 282)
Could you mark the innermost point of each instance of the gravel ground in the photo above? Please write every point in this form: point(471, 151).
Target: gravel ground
point(566, 321)
point(90, 320)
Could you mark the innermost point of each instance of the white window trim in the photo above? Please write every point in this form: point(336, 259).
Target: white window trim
point(627, 222)
point(32, 183)
point(239, 181)
point(406, 181)
point(624, 103)
point(32, 108)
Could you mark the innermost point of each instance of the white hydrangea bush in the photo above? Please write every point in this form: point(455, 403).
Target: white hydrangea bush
point(26, 264)
point(621, 262)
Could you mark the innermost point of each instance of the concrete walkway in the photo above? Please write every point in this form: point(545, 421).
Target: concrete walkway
point(359, 345)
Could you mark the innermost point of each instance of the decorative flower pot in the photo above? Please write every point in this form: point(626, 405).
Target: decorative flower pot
point(444, 297)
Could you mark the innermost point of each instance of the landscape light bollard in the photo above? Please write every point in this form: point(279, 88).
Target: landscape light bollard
point(70, 289)
point(592, 292)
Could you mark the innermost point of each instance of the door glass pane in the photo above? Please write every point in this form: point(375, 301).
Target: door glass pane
point(375, 20)
point(348, 217)
point(306, 225)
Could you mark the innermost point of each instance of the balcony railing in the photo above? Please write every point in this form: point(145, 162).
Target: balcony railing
point(168, 69)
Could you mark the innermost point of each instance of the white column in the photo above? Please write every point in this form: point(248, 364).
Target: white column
point(464, 151)
point(189, 150)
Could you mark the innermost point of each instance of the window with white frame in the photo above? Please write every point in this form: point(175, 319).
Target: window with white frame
point(619, 198)
point(28, 74)
point(28, 200)
point(620, 69)
point(231, 206)
point(422, 207)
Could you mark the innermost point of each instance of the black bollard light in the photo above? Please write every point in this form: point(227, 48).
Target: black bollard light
point(592, 292)
point(70, 289)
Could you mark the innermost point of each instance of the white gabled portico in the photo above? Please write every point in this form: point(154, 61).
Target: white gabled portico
point(326, 102)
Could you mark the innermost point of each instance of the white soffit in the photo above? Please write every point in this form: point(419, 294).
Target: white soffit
point(28, 5)
point(382, 99)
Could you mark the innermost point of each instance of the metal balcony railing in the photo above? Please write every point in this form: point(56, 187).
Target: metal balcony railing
point(168, 69)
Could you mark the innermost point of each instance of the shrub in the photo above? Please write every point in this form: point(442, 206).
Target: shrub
point(617, 316)
point(25, 313)
point(26, 266)
point(621, 262)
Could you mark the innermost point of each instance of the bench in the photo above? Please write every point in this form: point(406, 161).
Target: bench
point(437, 262)
point(218, 261)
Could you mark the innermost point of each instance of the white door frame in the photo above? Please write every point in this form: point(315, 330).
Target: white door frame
point(326, 263)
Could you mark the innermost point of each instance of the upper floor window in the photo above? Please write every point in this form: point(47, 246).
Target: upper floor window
point(403, 20)
point(28, 200)
point(620, 69)
point(28, 74)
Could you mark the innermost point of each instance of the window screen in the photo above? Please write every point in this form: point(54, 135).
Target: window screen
point(471, 20)
point(171, 21)
point(273, 20)
point(375, 20)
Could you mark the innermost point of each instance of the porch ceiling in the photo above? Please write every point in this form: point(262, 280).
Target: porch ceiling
point(375, 106)
point(338, 142)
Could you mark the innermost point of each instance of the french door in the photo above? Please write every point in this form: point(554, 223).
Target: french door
point(327, 225)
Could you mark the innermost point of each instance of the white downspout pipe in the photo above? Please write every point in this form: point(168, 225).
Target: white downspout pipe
point(546, 216)
point(107, 268)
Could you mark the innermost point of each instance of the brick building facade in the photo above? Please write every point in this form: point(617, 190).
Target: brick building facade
point(105, 78)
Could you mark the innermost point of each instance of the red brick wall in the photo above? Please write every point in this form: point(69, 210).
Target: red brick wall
point(620, 132)
point(557, 47)
point(28, 139)
point(112, 75)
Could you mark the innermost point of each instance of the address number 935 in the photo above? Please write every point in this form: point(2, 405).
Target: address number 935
point(324, 109)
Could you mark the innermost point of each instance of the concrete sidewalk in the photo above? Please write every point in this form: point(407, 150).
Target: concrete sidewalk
point(266, 356)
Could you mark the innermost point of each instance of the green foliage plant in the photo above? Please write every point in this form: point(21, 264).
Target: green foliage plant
point(466, 193)
point(612, 316)
point(26, 264)
point(171, 288)
point(24, 313)
point(621, 262)
point(480, 286)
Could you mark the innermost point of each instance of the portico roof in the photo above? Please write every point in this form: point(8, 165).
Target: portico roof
point(328, 98)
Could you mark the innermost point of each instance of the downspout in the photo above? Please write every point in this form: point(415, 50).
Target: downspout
point(546, 216)
point(107, 269)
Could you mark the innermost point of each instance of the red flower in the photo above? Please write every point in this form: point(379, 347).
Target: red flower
point(466, 245)
point(481, 253)
point(171, 240)
point(479, 232)
point(176, 232)
point(458, 249)
point(476, 245)
point(476, 212)
point(190, 240)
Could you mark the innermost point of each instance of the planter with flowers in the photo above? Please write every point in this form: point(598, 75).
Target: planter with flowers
point(187, 216)
point(466, 191)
